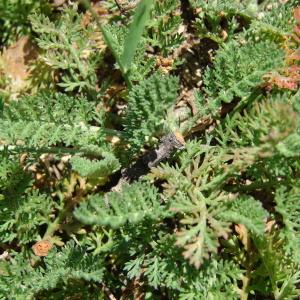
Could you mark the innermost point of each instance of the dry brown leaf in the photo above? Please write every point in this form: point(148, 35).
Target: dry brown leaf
point(15, 62)
point(165, 64)
point(270, 225)
point(243, 235)
point(57, 3)
point(297, 14)
point(179, 137)
point(42, 248)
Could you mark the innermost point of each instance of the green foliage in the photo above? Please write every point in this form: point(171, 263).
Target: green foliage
point(67, 268)
point(50, 107)
point(233, 7)
point(239, 70)
point(273, 24)
point(14, 17)
point(128, 45)
point(197, 238)
point(211, 16)
point(164, 26)
point(287, 205)
point(68, 47)
point(208, 283)
point(218, 218)
point(267, 20)
point(95, 168)
point(48, 119)
point(164, 268)
point(140, 65)
point(139, 201)
point(247, 211)
point(206, 214)
point(269, 121)
point(23, 211)
point(140, 19)
point(22, 217)
point(276, 274)
point(148, 104)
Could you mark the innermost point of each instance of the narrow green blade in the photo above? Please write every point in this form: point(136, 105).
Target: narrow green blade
point(135, 33)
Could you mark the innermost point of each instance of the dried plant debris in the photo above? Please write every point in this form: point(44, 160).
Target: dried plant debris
point(15, 67)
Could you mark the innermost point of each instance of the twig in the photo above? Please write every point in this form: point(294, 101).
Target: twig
point(119, 6)
point(108, 293)
point(142, 166)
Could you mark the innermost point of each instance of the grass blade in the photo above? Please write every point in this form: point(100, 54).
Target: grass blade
point(141, 16)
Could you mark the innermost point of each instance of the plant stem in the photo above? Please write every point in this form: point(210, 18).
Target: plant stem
point(55, 225)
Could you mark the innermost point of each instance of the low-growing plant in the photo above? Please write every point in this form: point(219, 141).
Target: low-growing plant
point(160, 160)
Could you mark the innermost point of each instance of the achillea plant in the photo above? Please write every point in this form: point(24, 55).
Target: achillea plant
point(118, 180)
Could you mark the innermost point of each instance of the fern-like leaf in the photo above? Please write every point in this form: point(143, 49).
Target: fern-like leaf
point(148, 103)
point(47, 120)
point(61, 269)
point(239, 69)
point(136, 202)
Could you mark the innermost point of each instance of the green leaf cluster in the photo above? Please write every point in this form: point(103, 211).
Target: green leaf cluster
point(46, 120)
point(148, 104)
point(71, 267)
point(69, 48)
point(139, 201)
point(14, 17)
point(218, 217)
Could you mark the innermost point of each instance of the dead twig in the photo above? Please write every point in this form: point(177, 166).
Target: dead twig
point(142, 166)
